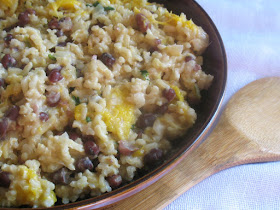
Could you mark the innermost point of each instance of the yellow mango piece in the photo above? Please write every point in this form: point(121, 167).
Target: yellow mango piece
point(119, 118)
point(10, 5)
point(139, 153)
point(179, 95)
point(65, 4)
point(78, 112)
point(30, 189)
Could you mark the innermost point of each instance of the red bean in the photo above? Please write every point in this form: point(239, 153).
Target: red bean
point(188, 58)
point(43, 116)
point(197, 67)
point(54, 24)
point(162, 109)
point(59, 33)
point(88, 138)
point(169, 94)
point(125, 148)
point(8, 39)
point(5, 180)
point(48, 71)
point(53, 98)
point(12, 113)
point(153, 157)
point(55, 76)
point(3, 128)
point(114, 180)
point(153, 49)
point(108, 59)
point(2, 82)
point(91, 148)
point(145, 120)
point(73, 135)
point(23, 18)
point(30, 11)
point(143, 23)
point(84, 164)
point(61, 176)
point(8, 61)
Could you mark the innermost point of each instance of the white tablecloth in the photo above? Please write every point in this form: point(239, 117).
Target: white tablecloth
point(250, 30)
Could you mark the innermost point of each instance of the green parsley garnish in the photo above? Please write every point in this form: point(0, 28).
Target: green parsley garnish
point(133, 127)
point(145, 74)
point(27, 42)
point(88, 119)
point(52, 57)
point(93, 5)
point(77, 100)
point(109, 8)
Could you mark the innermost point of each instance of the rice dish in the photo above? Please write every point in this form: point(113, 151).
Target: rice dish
point(92, 92)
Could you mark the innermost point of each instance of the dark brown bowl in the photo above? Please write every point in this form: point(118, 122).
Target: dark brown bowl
point(215, 63)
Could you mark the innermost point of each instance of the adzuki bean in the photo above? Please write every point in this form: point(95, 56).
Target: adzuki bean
point(12, 113)
point(73, 135)
point(5, 180)
point(8, 39)
point(169, 94)
point(143, 23)
point(91, 148)
point(188, 58)
point(55, 76)
point(114, 180)
point(23, 17)
point(8, 61)
point(43, 116)
point(61, 176)
point(145, 120)
point(54, 24)
point(84, 164)
point(108, 59)
point(162, 109)
point(153, 157)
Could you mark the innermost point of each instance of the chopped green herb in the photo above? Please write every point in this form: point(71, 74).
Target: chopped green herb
point(77, 100)
point(93, 5)
point(145, 74)
point(133, 127)
point(88, 119)
point(109, 8)
point(52, 57)
point(27, 42)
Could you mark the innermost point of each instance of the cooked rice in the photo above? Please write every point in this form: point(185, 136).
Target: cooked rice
point(159, 52)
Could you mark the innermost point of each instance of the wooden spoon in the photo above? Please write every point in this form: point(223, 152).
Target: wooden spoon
point(248, 132)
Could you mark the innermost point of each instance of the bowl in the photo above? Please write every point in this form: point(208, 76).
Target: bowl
point(215, 63)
